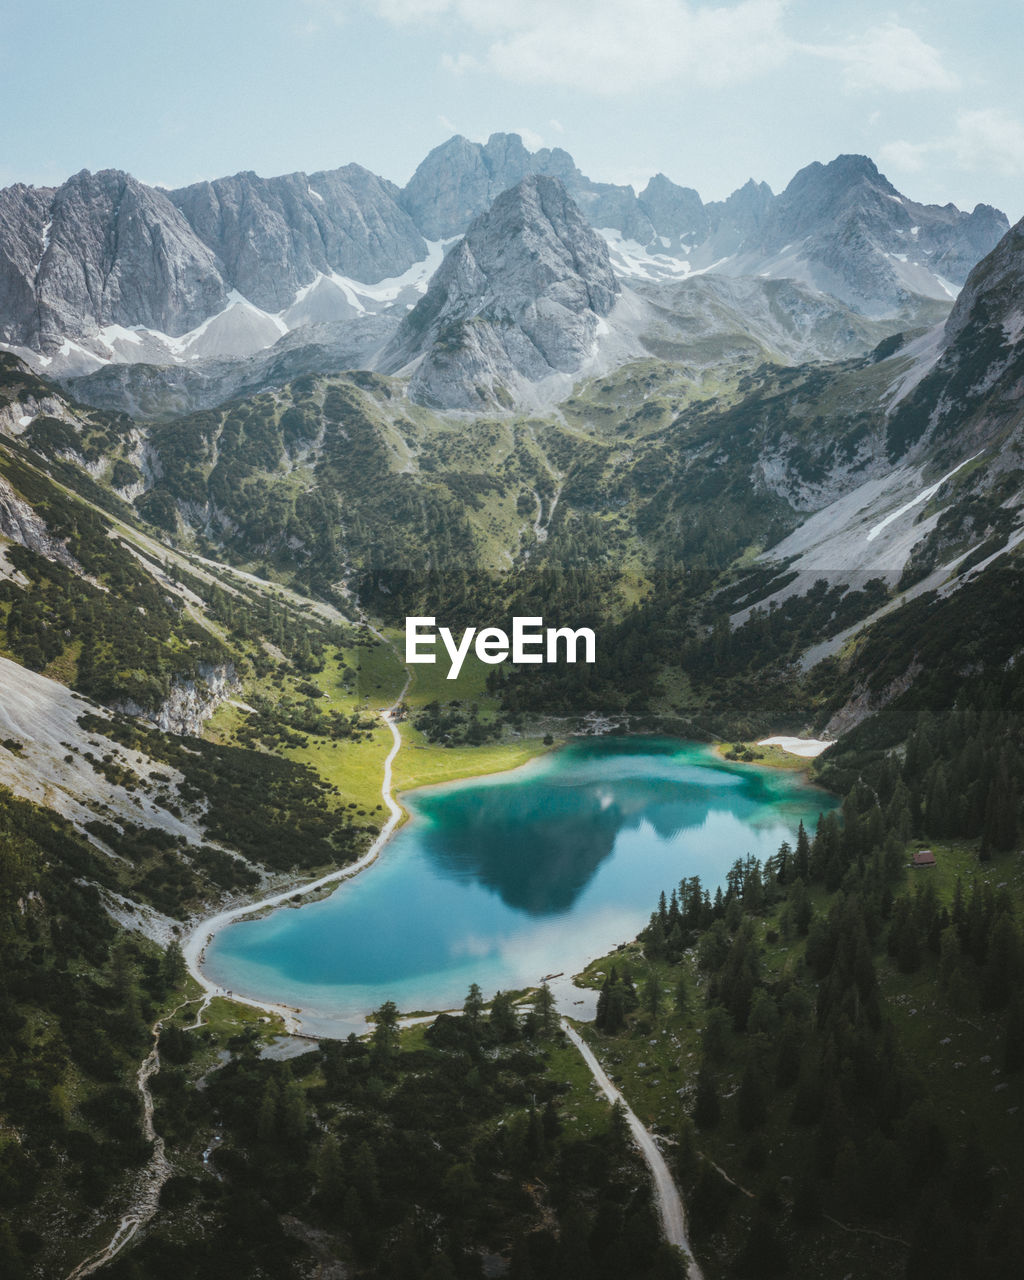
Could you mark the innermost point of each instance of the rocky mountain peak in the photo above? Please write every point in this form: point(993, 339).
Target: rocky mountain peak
point(518, 299)
point(460, 179)
point(741, 217)
point(274, 235)
point(104, 253)
point(674, 211)
point(964, 394)
point(820, 195)
point(114, 251)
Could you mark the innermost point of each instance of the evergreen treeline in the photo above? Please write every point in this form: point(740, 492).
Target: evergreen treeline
point(77, 997)
point(806, 1086)
point(409, 1164)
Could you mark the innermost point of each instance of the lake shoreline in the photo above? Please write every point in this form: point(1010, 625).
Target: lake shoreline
point(770, 754)
point(200, 933)
point(308, 1001)
point(203, 931)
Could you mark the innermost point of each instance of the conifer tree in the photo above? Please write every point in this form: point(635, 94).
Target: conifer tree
point(707, 1110)
point(474, 1004)
point(652, 997)
point(504, 1019)
point(545, 1011)
point(385, 1032)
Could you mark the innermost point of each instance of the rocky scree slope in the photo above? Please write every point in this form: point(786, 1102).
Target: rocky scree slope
point(971, 381)
point(932, 490)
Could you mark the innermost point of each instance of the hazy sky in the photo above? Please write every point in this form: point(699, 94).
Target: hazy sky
point(709, 93)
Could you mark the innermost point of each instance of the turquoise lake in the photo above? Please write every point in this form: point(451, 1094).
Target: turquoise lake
point(506, 879)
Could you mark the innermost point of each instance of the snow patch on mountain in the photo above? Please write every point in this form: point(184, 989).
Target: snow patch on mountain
point(629, 258)
point(923, 496)
point(242, 329)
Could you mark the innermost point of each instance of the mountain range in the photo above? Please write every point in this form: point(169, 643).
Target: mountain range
point(105, 271)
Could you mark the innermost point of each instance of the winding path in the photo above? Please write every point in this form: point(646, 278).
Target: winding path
point(670, 1205)
point(202, 933)
point(153, 1176)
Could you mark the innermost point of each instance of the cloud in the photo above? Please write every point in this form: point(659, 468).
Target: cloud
point(605, 47)
point(980, 141)
point(904, 157)
point(989, 139)
point(458, 64)
point(321, 13)
point(403, 12)
point(892, 58)
point(531, 139)
point(601, 45)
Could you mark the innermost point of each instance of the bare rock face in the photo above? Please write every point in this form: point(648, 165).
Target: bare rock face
point(24, 214)
point(857, 237)
point(104, 270)
point(994, 292)
point(841, 228)
point(103, 249)
point(864, 702)
point(675, 213)
point(190, 703)
point(738, 222)
point(274, 235)
point(970, 397)
point(518, 299)
point(19, 523)
point(461, 179)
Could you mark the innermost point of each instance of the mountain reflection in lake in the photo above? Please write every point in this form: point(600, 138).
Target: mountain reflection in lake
point(540, 840)
point(504, 879)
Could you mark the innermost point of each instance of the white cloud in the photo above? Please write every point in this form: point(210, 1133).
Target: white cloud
point(904, 157)
point(406, 11)
point(890, 57)
point(332, 13)
point(605, 47)
point(991, 139)
point(980, 141)
point(458, 64)
point(531, 139)
point(601, 45)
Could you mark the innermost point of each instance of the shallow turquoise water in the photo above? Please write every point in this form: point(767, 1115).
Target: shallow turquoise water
point(506, 879)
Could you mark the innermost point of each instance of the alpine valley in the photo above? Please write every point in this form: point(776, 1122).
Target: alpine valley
point(770, 450)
